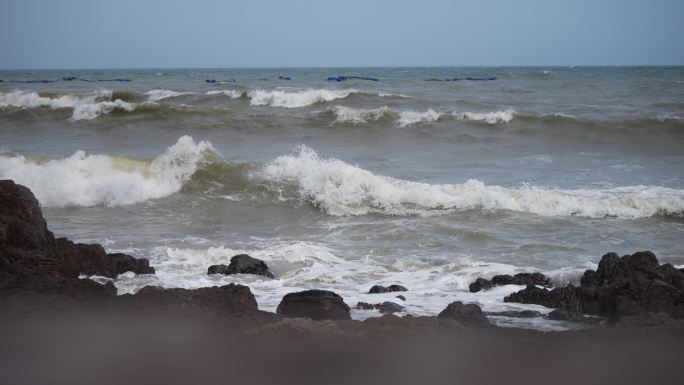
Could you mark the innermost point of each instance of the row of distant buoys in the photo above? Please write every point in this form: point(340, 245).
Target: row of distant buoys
point(284, 77)
point(342, 78)
point(213, 81)
point(459, 79)
point(64, 79)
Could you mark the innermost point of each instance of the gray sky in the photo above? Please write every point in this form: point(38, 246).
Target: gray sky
point(272, 33)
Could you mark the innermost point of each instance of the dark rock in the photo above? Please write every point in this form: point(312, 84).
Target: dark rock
point(218, 269)
point(621, 286)
point(564, 315)
point(243, 264)
point(518, 279)
point(384, 308)
point(517, 314)
point(469, 315)
point(480, 284)
point(32, 259)
point(91, 259)
point(233, 298)
point(564, 298)
point(314, 304)
point(401, 297)
point(122, 263)
point(393, 288)
point(382, 289)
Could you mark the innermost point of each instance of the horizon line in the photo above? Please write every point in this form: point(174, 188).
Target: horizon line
point(353, 66)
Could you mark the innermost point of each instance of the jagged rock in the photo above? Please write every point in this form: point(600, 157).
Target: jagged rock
point(621, 286)
point(382, 289)
point(505, 279)
point(468, 315)
point(92, 259)
point(314, 304)
point(480, 284)
point(32, 259)
point(242, 264)
point(386, 307)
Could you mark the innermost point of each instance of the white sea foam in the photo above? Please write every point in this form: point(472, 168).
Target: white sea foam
point(302, 265)
point(88, 111)
point(156, 95)
point(341, 189)
point(89, 179)
point(407, 118)
point(489, 117)
point(281, 98)
point(233, 94)
point(358, 115)
point(84, 106)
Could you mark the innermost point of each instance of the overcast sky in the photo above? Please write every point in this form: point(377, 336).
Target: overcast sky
point(273, 33)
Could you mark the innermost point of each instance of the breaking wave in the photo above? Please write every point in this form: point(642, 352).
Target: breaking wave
point(89, 179)
point(156, 95)
point(280, 98)
point(84, 106)
point(359, 115)
point(332, 185)
point(341, 189)
point(408, 118)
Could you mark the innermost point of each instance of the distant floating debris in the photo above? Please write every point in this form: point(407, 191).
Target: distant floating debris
point(213, 81)
point(281, 77)
point(64, 79)
point(460, 79)
point(343, 78)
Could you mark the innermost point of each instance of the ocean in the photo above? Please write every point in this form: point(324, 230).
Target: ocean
point(344, 185)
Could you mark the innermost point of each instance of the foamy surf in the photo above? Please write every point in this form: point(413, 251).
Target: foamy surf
point(341, 189)
point(409, 118)
point(303, 265)
point(90, 179)
point(332, 185)
point(84, 106)
point(156, 95)
point(295, 99)
point(359, 115)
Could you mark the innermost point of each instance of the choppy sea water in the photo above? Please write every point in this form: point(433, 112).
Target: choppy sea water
point(343, 185)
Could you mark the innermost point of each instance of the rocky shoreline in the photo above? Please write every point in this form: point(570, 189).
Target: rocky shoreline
point(39, 279)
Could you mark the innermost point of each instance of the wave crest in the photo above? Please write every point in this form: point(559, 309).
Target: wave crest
point(280, 98)
point(341, 189)
point(91, 179)
point(85, 106)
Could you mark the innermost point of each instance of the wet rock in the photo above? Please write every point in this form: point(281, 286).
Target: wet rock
point(389, 289)
point(233, 298)
point(564, 298)
point(91, 259)
point(32, 259)
point(621, 286)
point(314, 304)
point(242, 264)
point(517, 314)
point(218, 269)
point(505, 279)
point(480, 284)
point(564, 315)
point(468, 315)
point(401, 297)
point(386, 307)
